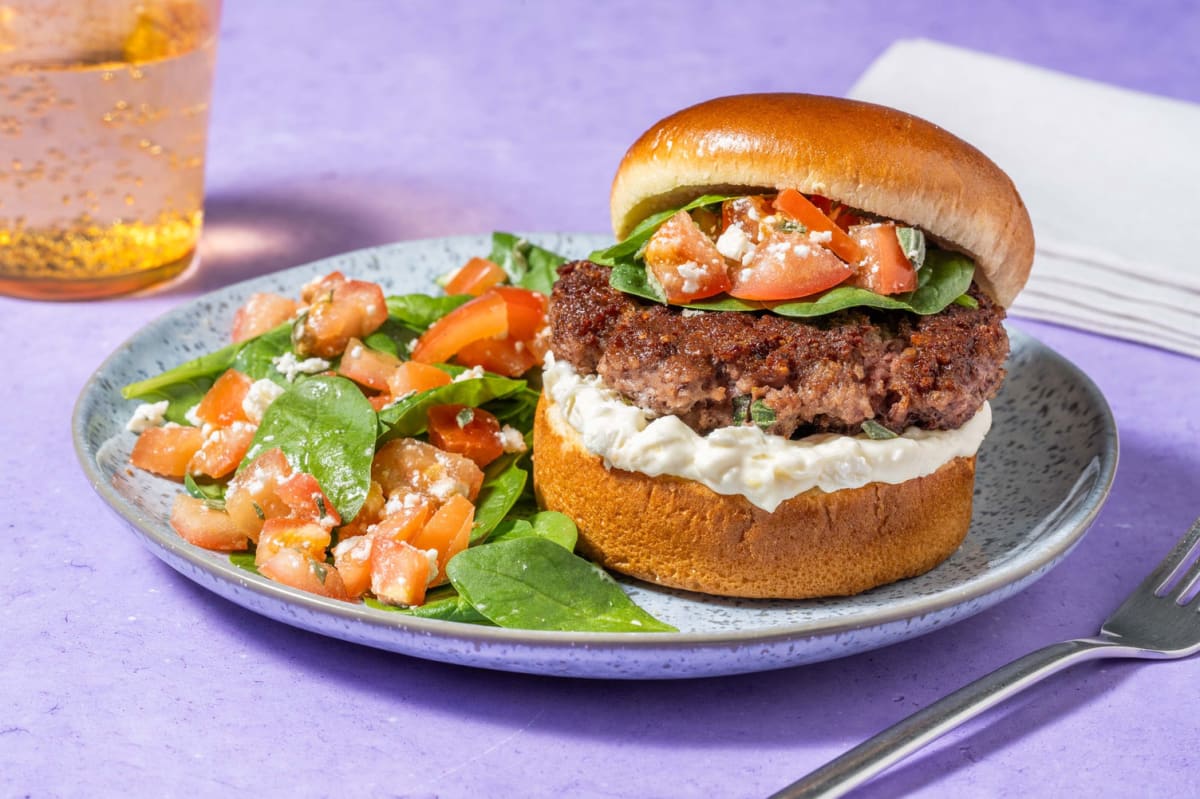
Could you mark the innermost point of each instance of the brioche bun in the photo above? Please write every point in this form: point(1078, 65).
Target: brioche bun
point(680, 533)
point(869, 157)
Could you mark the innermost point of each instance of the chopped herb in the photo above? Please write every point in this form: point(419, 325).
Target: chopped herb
point(761, 414)
point(790, 226)
point(321, 505)
point(465, 417)
point(319, 569)
point(912, 241)
point(876, 431)
point(741, 409)
point(258, 511)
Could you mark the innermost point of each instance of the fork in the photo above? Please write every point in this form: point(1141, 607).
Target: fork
point(1158, 621)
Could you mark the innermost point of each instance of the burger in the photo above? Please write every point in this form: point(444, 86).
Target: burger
point(775, 384)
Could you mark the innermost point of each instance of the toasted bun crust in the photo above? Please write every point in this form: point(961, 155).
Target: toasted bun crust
point(680, 533)
point(867, 156)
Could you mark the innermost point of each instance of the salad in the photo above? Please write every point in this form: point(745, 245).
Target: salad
point(376, 449)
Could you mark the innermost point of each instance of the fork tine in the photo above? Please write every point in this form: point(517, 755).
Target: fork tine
point(1174, 564)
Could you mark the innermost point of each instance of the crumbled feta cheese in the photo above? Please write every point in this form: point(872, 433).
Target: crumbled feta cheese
point(193, 415)
point(511, 439)
point(291, 367)
point(802, 250)
point(445, 488)
point(691, 272)
point(260, 396)
point(399, 502)
point(735, 245)
point(432, 555)
point(147, 415)
point(820, 236)
point(690, 312)
point(473, 373)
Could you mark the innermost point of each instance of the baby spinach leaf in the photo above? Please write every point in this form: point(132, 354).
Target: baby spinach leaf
point(419, 311)
point(410, 416)
point(532, 583)
point(185, 385)
point(212, 493)
point(548, 524)
point(244, 560)
point(876, 431)
point(326, 427)
point(516, 409)
point(447, 607)
point(627, 249)
point(528, 265)
point(503, 482)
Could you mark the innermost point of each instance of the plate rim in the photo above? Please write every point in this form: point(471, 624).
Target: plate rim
point(1066, 533)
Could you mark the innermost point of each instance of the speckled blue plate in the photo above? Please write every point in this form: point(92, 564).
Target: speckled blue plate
point(1043, 473)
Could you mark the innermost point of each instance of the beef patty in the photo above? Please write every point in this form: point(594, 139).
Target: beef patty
point(825, 374)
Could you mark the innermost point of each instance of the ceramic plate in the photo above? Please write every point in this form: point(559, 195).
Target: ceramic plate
point(1043, 473)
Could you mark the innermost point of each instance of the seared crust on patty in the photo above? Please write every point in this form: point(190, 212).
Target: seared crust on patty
point(825, 374)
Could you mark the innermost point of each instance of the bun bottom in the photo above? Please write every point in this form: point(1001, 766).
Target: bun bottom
point(680, 533)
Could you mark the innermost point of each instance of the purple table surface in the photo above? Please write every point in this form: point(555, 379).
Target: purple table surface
point(343, 125)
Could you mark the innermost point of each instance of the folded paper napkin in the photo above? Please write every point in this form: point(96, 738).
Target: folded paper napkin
point(1111, 178)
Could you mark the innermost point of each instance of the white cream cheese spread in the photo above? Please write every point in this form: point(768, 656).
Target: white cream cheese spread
point(765, 469)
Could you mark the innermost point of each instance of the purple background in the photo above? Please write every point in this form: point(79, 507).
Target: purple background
point(339, 125)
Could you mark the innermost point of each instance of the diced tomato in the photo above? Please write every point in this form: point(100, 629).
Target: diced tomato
point(366, 366)
point(482, 317)
point(404, 515)
point(221, 405)
point(449, 531)
point(370, 512)
point(478, 438)
point(380, 401)
point(338, 310)
point(287, 533)
point(409, 465)
point(292, 567)
point(884, 269)
point(746, 213)
point(798, 207)
point(261, 313)
point(222, 450)
point(352, 559)
point(200, 524)
point(527, 311)
point(253, 495)
point(475, 277)
point(399, 572)
point(503, 356)
point(166, 450)
point(788, 266)
point(685, 262)
point(303, 494)
point(414, 376)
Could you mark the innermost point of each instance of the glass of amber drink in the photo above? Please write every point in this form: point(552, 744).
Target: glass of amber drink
point(103, 120)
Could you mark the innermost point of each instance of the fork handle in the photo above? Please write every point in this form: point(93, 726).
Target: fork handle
point(910, 734)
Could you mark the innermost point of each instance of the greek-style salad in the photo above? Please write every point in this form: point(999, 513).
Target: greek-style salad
point(375, 449)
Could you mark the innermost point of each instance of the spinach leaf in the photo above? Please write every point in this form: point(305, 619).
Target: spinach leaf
point(419, 311)
point(534, 584)
point(212, 493)
point(185, 385)
point(410, 416)
point(516, 409)
point(548, 524)
point(326, 427)
point(244, 560)
point(447, 607)
point(945, 277)
point(627, 249)
point(528, 265)
point(503, 483)
point(876, 431)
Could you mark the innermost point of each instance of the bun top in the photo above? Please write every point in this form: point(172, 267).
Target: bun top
point(867, 156)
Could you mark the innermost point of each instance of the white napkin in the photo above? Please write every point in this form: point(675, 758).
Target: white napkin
point(1111, 178)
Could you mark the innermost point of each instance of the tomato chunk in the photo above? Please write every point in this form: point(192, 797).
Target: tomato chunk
point(502, 356)
point(399, 572)
point(746, 213)
point(472, 432)
point(166, 450)
point(414, 376)
point(884, 269)
point(409, 465)
point(292, 567)
point(282, 533)
point(404, 516)
point(261, 313)
point(527, 311)
point(200, 524)
point(788, 266)
point(253, 495)
point(798, 207)
point(449, 532)
point(303, 495)
point(370, 512)
point(366, 366)
point(352, 559)
point(482, 317)
point(338, 310)
point(475, 277)
point(222, 450)
point(221, 405)
point(685, 262)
